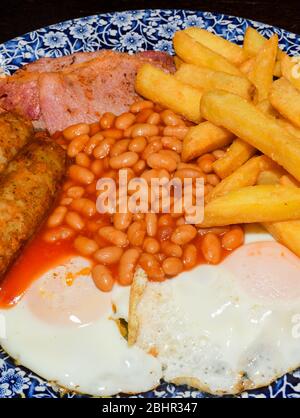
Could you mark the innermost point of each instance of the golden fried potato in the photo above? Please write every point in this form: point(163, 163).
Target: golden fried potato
point(261, 74)
point(250, 124)
point(237, 154)
point(178, 62)
point(262, 203)
point(293, 130)
point(203, 138)
point(286, 99)
point(287, 233)
point(290, 68)
point(193, 52)
point(246, 175)
point(232, 52)
point(206, 79)
point(163, 88)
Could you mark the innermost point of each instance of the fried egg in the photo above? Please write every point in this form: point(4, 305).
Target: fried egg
point(64, 330)
point(225, 328)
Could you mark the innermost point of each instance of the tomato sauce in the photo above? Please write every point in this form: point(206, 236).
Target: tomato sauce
point(36, 258)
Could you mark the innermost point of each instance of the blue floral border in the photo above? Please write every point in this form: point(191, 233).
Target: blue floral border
point(128, 31)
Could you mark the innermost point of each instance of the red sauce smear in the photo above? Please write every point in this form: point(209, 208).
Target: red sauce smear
point(36, 258)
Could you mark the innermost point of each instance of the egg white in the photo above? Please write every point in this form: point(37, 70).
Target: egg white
point(67, 335)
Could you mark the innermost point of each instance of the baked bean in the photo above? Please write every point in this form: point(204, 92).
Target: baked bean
point(127, 159)
point(85, 246)
point(143, 115)
point(124, 121)
point(166, 220)
point(177, 131)
point(102, 278)
point(76, 130)
point(57, 217)
point(93, 143)
point(122, 220)
point(180, 221)
point(172, 266)
point(144, 129)
point(65, 201)
point(172, 143)
point(189, 257)
point(205, 162)
point(75, 192)
point(107, 120)
point(183, 234)
point(81, 174)
point(170, 249)
point(103, 148)
point(233, 238)
point(158, 160)
point(97, 167)
point(127, 132)
point(150, 174)
point(127, 265)
point(163, 173)
point(137, 144)
point(108, 255)
point(217, 230)
point(151, 245)
point(139, 167)
point(151, 148)
point(83, 160)
point(77, 145)
point(119, 147)
point(187, 173)
point(218, 153)
point(114, 236)
point(112, 133)
point(154, 118)
point(213, 179)
point(207, 189)
point(141, 105)
point(169, 118)
point(164, 233)
point(138, 216)
point(151, 266)
point(170, 153)
point(151, 224)
point(74, 220)
point(94, 128)
point(57, 234)
point(129, 172)
point(136, 233)
point(84, 206)
point(211, 248)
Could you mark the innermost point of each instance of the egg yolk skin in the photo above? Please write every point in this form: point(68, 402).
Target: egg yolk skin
point(266, 270)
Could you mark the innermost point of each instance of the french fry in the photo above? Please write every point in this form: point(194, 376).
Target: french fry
point(286, 99)
point(163, 88)
point(293, 130)
point(253, 42)
point(206, 79)
point(237, 154)
point(247, 66)
point(266, 107)
point(203, 138)
point(232, 52)
point(287, 233)
point(261, 74)
point(178, 62)
point(290, 68)
point(271, 176)
point(246, 175)
point(193, 52)
point(250, 124)
point(263, 203)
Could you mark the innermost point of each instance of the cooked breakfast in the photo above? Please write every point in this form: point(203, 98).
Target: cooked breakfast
point(108, 301)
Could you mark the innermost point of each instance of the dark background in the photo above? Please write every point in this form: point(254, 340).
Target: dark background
point(20, 16)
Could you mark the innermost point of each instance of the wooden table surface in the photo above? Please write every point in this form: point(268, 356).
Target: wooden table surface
point(20, 16)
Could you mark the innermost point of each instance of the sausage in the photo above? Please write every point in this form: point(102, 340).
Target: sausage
point(28, 188)
point(15, 132)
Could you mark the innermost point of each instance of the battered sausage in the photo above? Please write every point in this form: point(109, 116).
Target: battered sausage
point(27, 190)
point(15, 132)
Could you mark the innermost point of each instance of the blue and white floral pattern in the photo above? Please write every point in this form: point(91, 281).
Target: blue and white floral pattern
point(126, 31)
